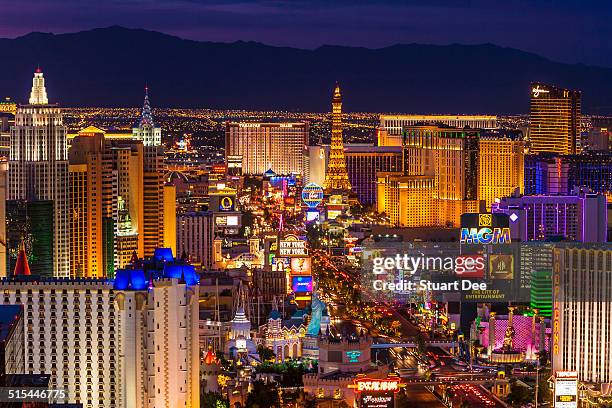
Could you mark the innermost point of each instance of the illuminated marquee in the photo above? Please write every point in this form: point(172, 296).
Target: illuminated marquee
point(484, 228)
point(376, 393)
point(366, 384)
point(292, 246)
point(312, 195)
point(485, 235)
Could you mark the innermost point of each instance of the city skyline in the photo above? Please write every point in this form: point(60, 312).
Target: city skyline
point(289, 258)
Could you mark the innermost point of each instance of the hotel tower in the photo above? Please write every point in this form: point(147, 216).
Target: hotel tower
point(336, 177)
point(38, 165)
point(554, 120)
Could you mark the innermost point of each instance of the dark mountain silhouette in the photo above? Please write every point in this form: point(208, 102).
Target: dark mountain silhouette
point(110, 66)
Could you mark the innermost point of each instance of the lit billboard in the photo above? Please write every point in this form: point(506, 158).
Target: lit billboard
point(301, 284)
point(566, 389)
point(301, 266)
point(485, 228)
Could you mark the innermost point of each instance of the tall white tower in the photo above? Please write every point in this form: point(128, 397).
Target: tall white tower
point(38, 165)
point(146, 129)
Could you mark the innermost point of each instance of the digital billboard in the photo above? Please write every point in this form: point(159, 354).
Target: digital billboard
point(301, 266)
point(301, 284)
point(566, 389)
point(501, 266)
point(485, 228)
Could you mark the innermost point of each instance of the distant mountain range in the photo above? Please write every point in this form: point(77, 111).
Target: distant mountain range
point(110, 66)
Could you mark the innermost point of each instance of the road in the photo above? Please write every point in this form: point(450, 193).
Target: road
point(418, 396)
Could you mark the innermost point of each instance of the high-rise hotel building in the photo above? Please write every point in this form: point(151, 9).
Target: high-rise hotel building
point(113, 344)
point(38, 165)
point(263, 146)
point(118, 201)
point(554, 119)
point(390, 131)
point(449, 156)
point(501, 158)
point(407, 200)
point(582, 312)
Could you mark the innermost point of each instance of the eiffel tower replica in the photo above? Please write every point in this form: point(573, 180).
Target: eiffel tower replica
point(336, 176)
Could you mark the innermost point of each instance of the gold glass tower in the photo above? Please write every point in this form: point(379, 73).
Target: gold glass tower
point(336, 177)
point(554, 119)
point(501, 168)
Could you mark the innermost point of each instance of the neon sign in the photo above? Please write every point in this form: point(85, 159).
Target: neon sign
point(377, 385)
point(537, 91)
point(312, 195)
point(353, 356)
point(485, 235)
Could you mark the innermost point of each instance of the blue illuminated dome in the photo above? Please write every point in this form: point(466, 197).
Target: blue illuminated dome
point(130, 279)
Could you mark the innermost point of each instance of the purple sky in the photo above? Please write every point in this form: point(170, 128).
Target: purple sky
point(564, 30)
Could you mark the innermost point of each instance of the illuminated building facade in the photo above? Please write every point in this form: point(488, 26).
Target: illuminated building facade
point(158, 345)
point(194, 237)
point(580, 216)
point(3, 238)
point(263, 146)
point(336, 176)
point(90, 184)
point(500, 165)
point(11, 340)
point(362, 164)
point(119, 204)
point(554, 119)
point(284, 338)
point(316, 164)
point(450, 156)
point(548, 173)
point(391, 127)
point(340, 362)
point(147, 131)
point(363, 161)
point(99, 339)
point(599, 137)
point(6, 121)
point(38, 165)
point(63, 317)
point(582, 312)
point(408, 201)
point(27, 223)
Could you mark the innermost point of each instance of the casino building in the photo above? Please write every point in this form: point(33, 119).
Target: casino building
point(582, 312)
point(442, 163)
point(391, 127)
point(501, 157)
point(554, 119)
point(263, 146)
point(580, 216)
point(341, 360)
point(131, 342)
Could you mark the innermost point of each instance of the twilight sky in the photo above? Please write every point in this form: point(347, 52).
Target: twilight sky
point(573, 31)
